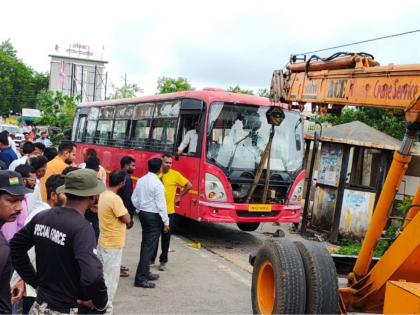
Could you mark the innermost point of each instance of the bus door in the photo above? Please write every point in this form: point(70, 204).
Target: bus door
point(187, 162)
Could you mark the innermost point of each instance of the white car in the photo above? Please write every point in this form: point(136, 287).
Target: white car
point(13, 129)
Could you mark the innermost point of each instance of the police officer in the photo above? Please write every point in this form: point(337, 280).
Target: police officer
point(68, 274)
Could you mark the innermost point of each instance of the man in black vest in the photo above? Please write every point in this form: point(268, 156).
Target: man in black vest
point(68, 272)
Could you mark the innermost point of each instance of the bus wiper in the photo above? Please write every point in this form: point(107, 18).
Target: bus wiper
point(234, 150)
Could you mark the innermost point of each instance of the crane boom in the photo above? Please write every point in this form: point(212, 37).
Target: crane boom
point(356, 80)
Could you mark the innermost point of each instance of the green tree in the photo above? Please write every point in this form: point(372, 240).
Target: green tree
point(127, 90)
point(7, 48)
point(264, 93)
point(19, 84)
point(237, 89)
point(170, 85)
point(380, 119)
point(57, 109)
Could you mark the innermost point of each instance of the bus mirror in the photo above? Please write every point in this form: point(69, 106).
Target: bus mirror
point(275, 115)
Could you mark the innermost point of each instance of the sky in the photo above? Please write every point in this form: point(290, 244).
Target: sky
point(211, 43)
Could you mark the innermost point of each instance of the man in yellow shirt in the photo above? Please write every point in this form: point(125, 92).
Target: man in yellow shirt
point(113, 221)
point(172, 180)
point(65, 157)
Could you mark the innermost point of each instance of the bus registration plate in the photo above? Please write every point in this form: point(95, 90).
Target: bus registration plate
point(259, 208)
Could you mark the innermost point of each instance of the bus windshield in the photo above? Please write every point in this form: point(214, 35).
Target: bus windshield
point(238, 134)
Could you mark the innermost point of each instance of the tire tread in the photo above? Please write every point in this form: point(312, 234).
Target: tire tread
point(322, 295)
point(289, 276)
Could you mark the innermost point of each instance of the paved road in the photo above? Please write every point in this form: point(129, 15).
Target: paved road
point(227, 241)
point(213, 280)
point(196, 282)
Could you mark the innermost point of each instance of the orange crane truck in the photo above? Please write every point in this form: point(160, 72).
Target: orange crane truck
point(300, 277)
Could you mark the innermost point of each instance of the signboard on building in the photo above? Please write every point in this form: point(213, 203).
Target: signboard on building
point(78, 75)
point(330, 164)
point(31, 112)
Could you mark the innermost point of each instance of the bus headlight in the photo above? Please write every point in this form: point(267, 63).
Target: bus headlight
point(214, 189)
point(297, 193)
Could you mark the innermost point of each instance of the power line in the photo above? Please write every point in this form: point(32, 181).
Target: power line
point(360, 42)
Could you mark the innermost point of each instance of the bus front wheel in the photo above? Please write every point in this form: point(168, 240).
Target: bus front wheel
point(248, 227)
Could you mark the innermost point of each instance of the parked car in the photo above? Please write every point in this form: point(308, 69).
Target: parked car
point(13, 129)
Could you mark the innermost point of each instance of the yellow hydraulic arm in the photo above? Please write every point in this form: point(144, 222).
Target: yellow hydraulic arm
point(357, 80)
point(354, 80)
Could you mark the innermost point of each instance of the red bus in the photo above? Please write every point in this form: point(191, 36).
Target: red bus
point(232, 134)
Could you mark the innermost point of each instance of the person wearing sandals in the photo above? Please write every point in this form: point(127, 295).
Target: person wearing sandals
point(113, 221)
point(149, 200)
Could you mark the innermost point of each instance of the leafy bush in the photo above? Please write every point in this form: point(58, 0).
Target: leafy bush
point(391, 123)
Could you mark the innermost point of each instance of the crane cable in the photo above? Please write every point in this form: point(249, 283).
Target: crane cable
point(360, 42)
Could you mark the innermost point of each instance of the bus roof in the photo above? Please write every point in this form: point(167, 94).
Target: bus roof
point(207, 95)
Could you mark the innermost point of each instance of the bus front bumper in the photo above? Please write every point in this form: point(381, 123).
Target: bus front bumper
point(219, 212)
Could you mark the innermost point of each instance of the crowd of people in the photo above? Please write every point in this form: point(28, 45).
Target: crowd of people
point(63, 227)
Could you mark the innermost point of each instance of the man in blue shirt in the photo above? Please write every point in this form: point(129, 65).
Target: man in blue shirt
point(7, 155)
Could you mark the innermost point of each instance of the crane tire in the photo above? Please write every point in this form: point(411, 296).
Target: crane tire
point(278, 279)
point(322, 295)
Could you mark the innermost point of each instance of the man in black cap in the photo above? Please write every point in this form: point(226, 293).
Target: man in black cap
point(68, 272)
point(12, 192)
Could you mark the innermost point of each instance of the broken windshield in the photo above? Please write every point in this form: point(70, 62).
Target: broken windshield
point(238, 134)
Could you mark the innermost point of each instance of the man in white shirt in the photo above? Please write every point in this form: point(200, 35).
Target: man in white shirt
point(44, 140)
point(149, 200)
point(190, 140)
point(27, 149)
point(39, 164)
point(12, 143)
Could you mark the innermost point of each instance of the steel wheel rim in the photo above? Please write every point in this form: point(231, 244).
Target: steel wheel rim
point(266, 288)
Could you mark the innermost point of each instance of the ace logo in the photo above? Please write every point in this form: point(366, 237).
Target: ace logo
point(337, 89)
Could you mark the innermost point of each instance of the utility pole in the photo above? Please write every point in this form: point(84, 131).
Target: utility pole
point(124, 94)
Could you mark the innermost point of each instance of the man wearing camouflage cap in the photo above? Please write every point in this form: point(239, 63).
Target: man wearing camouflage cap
point(68, 276)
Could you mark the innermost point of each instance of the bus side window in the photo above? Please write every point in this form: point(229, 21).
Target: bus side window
point(140, 134)
point(164, 124)
point(104, 130)
point(89, 136)
point(105, 123)
point(163, 134)
point(80, 129)
point(76, 122)
point(92, 119)
point(122, 125)
point(120, 133)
